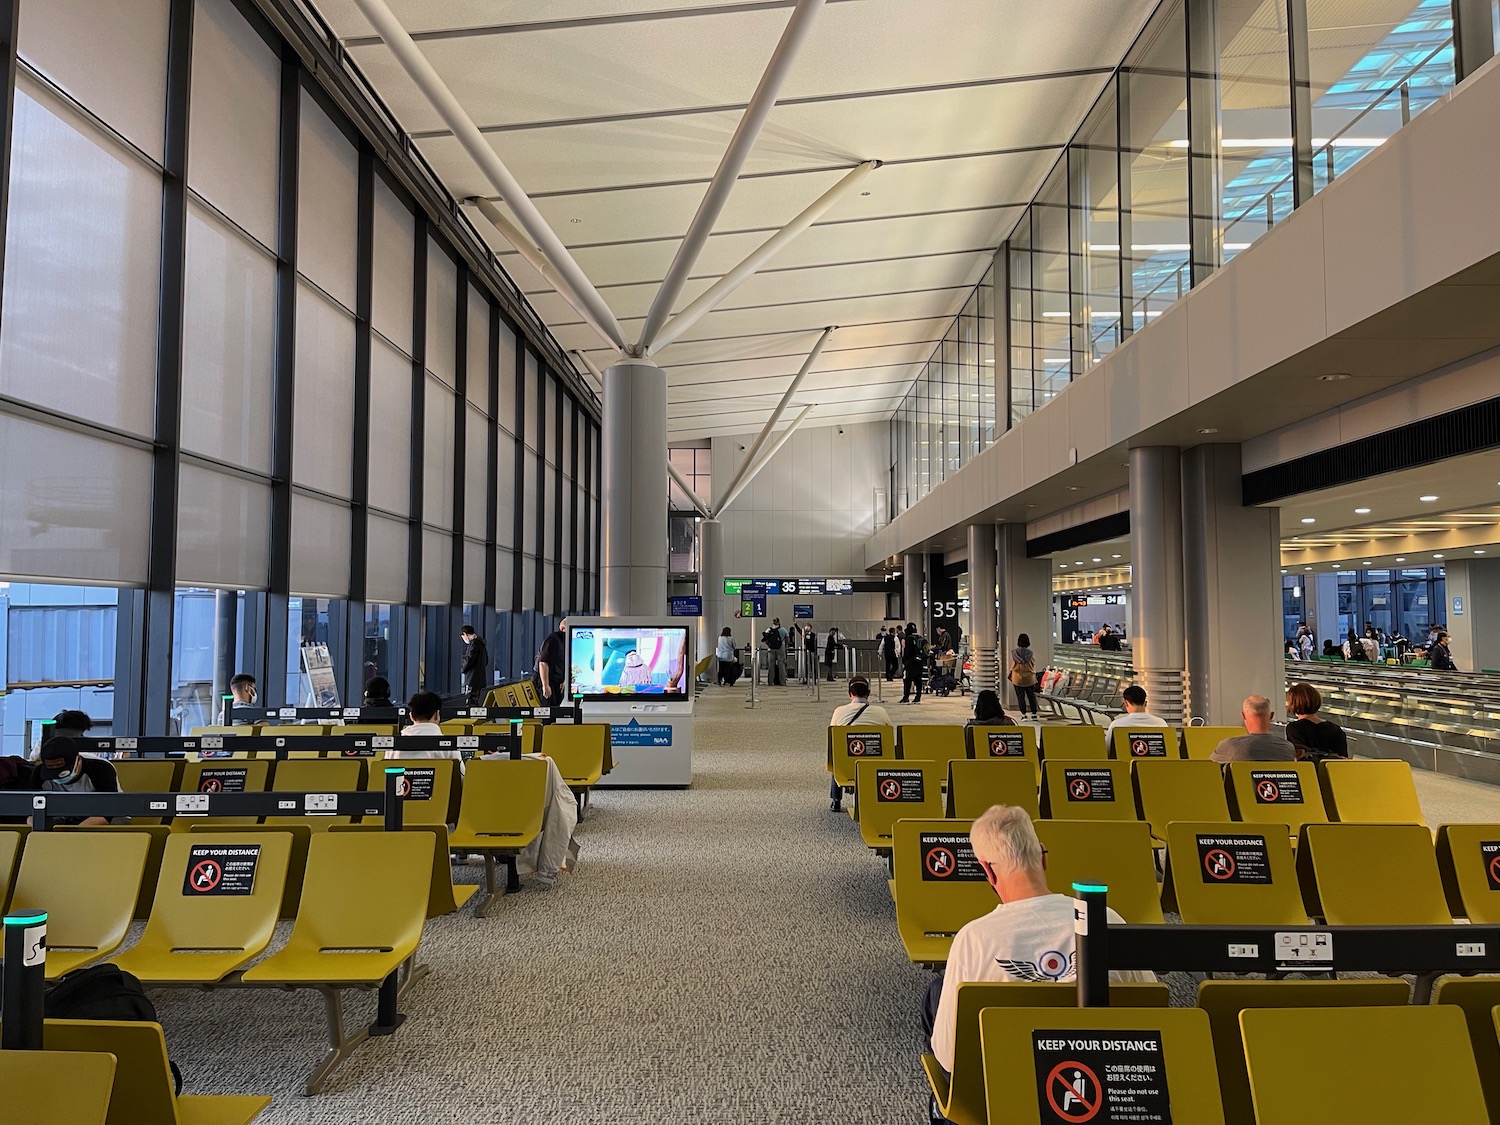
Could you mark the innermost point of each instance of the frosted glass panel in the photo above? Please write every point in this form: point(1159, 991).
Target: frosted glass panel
point(222, 530)
point(395, 234)
point(81, 270)
point(505, 492)
point(533, 391)
point(385, 574)
point(437, 567)
point(73, 508)
point(390, 429)
point(322, 442)
point(531, 490)
point(528, 583)
point(505, 579)
point(475, 564)
point(442, 313)
point(566, 457)
point(478, 371)
point(549, 433)
point(437, 456)
point(229, 344)
point(505, 408)
point(328, 201)
point(570, 498)
point(549, 513)
point(111, 57)
point(320, 547)
point(235, 122)
point(476, 483)
point(549, 588)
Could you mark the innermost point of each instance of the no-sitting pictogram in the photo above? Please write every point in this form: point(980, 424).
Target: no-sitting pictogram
point(1073, 1092)
point(205, 876)
point(940, 862)
point(1269, 791)
point(1219, 864)
point(1140, 747)
point(211, 785)
point(890, 789)
point(403, 786)
point(1495, 869)
point(856, 747)
point(1080, 789)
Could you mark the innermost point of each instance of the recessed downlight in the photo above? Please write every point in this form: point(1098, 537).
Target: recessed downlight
point(1333, 377)
point(1308, 519)
point(1478, 551)
point(1208, 430)
point(1098, 560)
point(1400, 558)
point(1438, 555)
point(1062, 566)
point(1361, 511)
point(1114, 556)
point(1427, 499)
point(1307, 568)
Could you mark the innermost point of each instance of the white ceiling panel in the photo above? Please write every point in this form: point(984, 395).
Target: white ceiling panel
point(428, 15)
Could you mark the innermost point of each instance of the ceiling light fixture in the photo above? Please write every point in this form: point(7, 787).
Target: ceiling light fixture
point(1478, 551)
point(1361, 511)
point(1098, 560)
point(1209, 430)
point(1333, 377)
point(1400, 558)
point(1114, 556)
point(1062, 566)
point(1427, 499)
point(1438, 555)
point(1308, 519)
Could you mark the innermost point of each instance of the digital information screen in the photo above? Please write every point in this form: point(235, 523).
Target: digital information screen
point(609, 662)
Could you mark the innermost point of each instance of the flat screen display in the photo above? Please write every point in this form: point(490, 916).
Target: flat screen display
point(606, 662)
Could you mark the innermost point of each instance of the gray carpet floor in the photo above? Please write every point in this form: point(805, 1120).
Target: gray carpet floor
point(724, 954)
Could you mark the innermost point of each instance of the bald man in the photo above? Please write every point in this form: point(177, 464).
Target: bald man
point(1259, 745)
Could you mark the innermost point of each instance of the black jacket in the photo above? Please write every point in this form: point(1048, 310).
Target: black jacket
point(477, 659)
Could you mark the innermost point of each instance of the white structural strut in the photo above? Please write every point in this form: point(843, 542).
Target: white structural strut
point(765, 431)
point(733, 162)
point(749, 475)
point(534, 257)
point(682, 483)
point(759, 257)
point(454, 116)
point(593, 368)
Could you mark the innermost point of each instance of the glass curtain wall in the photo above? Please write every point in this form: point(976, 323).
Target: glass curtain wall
point(251, 396)
point(1186, 158)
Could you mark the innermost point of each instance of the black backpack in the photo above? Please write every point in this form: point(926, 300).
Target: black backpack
point(772, 637)
point(102, 992)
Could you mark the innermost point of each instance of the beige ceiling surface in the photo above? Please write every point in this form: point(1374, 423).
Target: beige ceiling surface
point(613, 116)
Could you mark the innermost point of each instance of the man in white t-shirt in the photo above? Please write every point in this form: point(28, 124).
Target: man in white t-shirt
point(858, 712)
point(424, 715)
point(1135, 715)
point(1028, 937)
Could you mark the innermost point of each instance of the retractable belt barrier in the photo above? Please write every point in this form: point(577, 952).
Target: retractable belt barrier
point(1422, 950)
point(41, 809)
point(345, 745)
point(569, 712)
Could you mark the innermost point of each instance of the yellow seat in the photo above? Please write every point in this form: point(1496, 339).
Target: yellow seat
point(432, 788)
point(87, 881)
point(236, 776)
point(1224, 1000)
point(1371, 875)
point(1275, 793)
point(142, 1093)
point(529, 697)
point(1117, 854)
point(316, 775)
point(1477, 998)
point(531, 733)
point(444, 896)
point(1087, 790)
point(381, 729)
point(578, 750)
point(938, 886)
point(931, 742)
point(1146, 742)
point(1469, 861)
point(885, 792)
point(455, 726)
point(148, 775)
point(1199, 743)
point(1225, 874)
point(1009, 1041)
point(221, 730)
point(11, 842)
point(1005, 742)
point(301, 837)
point(293, 730)
point(960, 1097)
point(55, 1087)
point(1374, 1065)
point(848, 746)
point(504, 802)
point(976, 784)
point(199, 932)
point(1074, 744)
point(157, 834)
point(1168, 790)
point(1361, 791)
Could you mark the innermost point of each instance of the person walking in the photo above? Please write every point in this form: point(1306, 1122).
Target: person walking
point(913, 657)
point(1022, 676)
point(551, 668)
point(476, 664)
point(890, 652)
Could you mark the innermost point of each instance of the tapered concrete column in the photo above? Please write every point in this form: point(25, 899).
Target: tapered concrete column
point(634, 476)
point(1157, 645)
point(1472, 613)
point(1025, 588)
point(983, 620)
point(710, 584)
point(1231, 589)
point(1320, 595)
point(913, 580)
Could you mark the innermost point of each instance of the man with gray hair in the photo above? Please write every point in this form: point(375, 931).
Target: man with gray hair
point(1028, 937)
point(1259, 745)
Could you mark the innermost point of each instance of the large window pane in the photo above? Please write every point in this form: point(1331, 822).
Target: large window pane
point(437, 456)
point(222, 528)
point(475, 567)
point(390, 428)
point(437, 567)
point(59, 644)
point(81, 269)
point(327, 200)
point(1255, 96)
point(505, 495)
point(394, 276)
point(478, 361)
point(229, 343)
point(476, 483)
point(320, 547)
point(1094, 166)
point(322, 442)
point(442, 314)
point(385, 566)
point(235, 121)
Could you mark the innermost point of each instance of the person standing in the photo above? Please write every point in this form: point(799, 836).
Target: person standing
point(775, 656)
point(830, 652)
point(1022, 676)
point(551, 668)
point(1441, 655)
point(913, 657)
point(476, 663)
point(728, 657)
point(890, 653)
point(810, 652)
point(1305, 641)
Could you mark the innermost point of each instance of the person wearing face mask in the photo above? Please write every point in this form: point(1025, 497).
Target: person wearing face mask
point(62, 769)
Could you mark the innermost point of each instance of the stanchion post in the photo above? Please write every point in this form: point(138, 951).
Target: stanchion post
point(1091, 943)
point(754, 668)
point(395, 797)
point(25, 977)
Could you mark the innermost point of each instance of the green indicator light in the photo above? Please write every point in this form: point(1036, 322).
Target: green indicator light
point(26, 919)
point(1085, 888)
point(395, 769)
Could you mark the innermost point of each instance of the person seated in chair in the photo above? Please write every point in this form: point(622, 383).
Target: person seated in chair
point(858, 712)
point(988, 711)
point(64, 769)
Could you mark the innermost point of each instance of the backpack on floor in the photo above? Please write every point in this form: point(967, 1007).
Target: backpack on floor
point(102, 992)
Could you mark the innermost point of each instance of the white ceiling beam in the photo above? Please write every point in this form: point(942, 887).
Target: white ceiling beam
point(693, 498)
point(538, 233)
point(532, 253)
point(749, 475)
point(721, 289)
point(593, 368)
point(765, 431)
point(730, 167)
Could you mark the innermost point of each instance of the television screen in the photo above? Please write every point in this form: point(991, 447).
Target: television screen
point(606, 662)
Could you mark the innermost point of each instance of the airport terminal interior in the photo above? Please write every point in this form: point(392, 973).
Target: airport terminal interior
point(677, 562)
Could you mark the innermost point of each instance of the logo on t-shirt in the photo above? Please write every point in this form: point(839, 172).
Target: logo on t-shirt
point(1050, 966)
